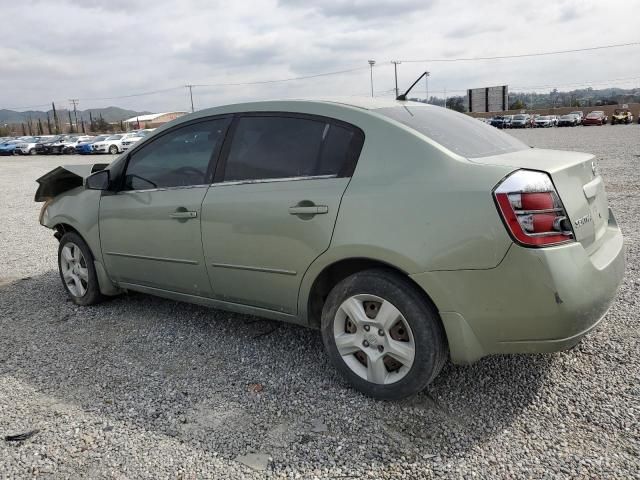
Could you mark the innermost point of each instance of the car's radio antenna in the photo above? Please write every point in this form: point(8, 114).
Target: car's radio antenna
point(404, 95)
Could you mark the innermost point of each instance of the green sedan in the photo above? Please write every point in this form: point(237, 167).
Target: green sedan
point(407, 233)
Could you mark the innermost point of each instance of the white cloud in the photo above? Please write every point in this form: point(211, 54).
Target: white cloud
point(88, 48)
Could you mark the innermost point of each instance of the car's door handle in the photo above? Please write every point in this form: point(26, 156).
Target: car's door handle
point(183, 214)
point(308, 210)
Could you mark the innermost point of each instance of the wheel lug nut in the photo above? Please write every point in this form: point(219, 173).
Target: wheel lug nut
point(381, 332)
point(365, 344)
point(366, 328)
point(380, 348)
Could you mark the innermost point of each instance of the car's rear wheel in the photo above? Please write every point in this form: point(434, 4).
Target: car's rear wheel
point(383, 335)
point(78, 274)
point(113, 150)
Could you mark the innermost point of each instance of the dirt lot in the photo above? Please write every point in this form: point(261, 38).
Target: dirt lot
point(145, 387)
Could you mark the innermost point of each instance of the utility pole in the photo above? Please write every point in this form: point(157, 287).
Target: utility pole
point(190, 87)
point(395, 69)
point(371, 64)
point(74, 102)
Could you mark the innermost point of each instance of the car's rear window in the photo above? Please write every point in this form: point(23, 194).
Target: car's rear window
point(455, 131)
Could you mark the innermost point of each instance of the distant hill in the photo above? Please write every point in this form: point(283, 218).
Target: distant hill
point(110, 114)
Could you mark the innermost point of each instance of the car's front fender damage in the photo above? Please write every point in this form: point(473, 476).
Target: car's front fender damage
point(69, 206)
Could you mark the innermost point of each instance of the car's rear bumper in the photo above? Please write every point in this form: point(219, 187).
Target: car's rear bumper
point(534, 301)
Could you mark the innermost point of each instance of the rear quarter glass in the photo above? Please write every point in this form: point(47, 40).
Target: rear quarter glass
point(457, 132)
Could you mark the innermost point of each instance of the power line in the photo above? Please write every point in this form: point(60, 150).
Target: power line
point(290, 79)
point(141, 94)
point(522, 55)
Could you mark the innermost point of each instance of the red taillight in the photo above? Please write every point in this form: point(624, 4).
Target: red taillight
point(532, 210)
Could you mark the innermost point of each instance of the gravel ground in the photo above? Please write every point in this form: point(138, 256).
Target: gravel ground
point(144, 387)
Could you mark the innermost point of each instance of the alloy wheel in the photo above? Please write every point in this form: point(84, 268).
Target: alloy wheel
point(74, 269)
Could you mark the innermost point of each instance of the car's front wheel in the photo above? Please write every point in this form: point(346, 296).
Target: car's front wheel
point(113, 150)
point(383, 335)
point(77, 271)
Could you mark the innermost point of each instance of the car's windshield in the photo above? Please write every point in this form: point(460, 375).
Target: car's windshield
point(543, 118)
point(99, 138)
point(455, 131)
point(519, 117)
point(114, 137)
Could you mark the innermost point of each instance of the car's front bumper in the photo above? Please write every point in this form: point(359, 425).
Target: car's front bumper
point(535, 300)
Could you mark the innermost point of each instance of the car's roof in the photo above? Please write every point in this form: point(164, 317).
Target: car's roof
point(365, 103)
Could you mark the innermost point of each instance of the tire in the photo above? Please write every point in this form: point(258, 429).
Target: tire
point(81, 282)
point(32, 151)
point(412, 325)
point(113, 150)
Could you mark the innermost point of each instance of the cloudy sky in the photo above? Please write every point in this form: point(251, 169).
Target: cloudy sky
point(97, 49)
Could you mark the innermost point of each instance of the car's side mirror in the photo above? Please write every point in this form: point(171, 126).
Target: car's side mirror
point(98, 180)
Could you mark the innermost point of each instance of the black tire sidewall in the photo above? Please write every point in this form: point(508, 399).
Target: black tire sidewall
point(419, 313)
point(92, 295)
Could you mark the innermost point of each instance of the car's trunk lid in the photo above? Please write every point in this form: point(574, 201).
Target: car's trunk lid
point(579, 185)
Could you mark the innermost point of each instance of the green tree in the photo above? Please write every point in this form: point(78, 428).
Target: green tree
point(517, 105)
point(456, 103)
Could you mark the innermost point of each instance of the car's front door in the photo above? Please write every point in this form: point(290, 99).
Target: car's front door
point(273, 205)
point(150, 227)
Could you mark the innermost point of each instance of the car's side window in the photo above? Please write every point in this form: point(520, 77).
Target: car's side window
point(271, 147)
point(178, 158)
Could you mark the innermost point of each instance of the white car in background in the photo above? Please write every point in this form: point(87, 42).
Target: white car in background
point(112, 144)
point(127, 143)
point(27, 145)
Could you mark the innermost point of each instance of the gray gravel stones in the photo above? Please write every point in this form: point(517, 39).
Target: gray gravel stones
point(141, 387)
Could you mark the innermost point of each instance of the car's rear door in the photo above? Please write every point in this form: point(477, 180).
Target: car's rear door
point(150, 228)
point(273, 206)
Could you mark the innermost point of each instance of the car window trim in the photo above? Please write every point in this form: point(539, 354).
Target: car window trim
point(211, 165)
point(163, 189)
point(353, 152)
point(274, 180)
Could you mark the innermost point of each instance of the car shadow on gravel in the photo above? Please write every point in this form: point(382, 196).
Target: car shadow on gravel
point(234, 384)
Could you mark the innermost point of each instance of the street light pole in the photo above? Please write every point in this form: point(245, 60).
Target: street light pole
point(371, 64)
point(395, 69)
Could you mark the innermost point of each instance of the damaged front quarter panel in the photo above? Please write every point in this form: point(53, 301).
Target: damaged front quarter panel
point(70, 206)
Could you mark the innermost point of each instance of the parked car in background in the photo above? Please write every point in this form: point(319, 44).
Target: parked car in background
point(506, 121)
point(43, 147)
point(544, 121)
point(568, 120)
point(597, 117)
point(621, 115)
point(111, 144)
point(9, 147)
point(67, 144)
point(128, 142)
point(523, 252)
point(579, 114)
point(532, 119)
point(85, 147)
point(522, 120)
point(497, 121)
point(27, 146)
